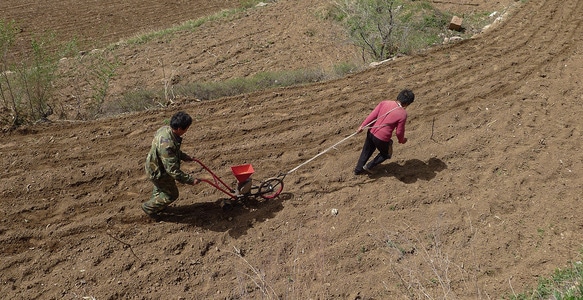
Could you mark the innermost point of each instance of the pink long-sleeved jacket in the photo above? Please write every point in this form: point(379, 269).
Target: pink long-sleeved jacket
point(390, 116)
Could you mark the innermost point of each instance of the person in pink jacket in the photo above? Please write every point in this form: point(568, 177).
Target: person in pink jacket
point(387, 117)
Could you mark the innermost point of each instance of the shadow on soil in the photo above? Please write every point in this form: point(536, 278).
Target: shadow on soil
point(236, 218)
point(412, 170)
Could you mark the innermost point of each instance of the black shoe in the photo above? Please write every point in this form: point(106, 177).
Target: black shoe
point(367, 170)
point(362, 172)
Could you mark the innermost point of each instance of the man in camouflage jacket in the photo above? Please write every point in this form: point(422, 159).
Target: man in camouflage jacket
point(163, 164)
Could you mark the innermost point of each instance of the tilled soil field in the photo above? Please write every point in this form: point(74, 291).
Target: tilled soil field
point(483, 199)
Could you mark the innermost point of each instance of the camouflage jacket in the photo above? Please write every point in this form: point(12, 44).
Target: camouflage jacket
point(165, 157)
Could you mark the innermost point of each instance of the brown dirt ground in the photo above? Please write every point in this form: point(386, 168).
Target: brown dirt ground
point(483, 199)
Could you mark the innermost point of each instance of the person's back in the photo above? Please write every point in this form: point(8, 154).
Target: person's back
point(154, 166)
point(391, 116)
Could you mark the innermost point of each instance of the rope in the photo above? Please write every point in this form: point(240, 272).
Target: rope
point(331, 147)
point(341, 141)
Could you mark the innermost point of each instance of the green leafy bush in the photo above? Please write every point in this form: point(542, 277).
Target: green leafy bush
point(385, 28)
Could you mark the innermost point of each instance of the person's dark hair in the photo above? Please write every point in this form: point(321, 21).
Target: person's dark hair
point(406, 97)
point(180, 120)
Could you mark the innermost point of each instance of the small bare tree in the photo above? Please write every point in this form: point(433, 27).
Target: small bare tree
point(26, 86)
point(7, 35)
point(386, 28)
point(373, 25)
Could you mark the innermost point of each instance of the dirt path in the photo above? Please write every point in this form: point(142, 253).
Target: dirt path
point(483, 198)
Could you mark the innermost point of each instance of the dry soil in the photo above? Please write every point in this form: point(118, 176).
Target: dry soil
point(483, 199)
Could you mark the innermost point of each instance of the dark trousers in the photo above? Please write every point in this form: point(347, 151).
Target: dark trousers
point(371, 143)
